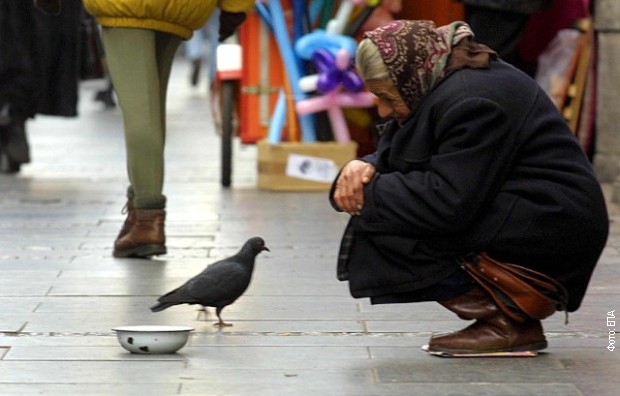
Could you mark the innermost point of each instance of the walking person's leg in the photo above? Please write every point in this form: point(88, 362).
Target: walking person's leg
point(140, 62)
point(166, 47)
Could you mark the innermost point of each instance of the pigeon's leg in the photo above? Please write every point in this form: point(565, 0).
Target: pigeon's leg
point(220, 322)
point(202, 311)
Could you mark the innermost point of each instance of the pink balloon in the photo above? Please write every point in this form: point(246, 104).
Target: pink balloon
point(333, 103)
point(339, 125)
point(343, 61)
point(311, 105)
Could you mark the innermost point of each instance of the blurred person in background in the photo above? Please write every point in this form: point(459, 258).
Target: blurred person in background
point(39, 72)
point(203, 46)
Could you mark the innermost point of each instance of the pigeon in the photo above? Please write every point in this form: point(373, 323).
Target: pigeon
point(218, 285)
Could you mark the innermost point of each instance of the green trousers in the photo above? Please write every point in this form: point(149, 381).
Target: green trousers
point(139, 62)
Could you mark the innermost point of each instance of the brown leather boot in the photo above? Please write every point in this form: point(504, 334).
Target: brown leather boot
point(145, 237)
point(130, 211)
point(493, 331)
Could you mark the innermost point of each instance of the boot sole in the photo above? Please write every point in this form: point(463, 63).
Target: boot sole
point(463, 352)
point(144, 251)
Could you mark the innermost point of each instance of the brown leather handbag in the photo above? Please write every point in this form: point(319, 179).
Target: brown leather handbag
point(519, 292)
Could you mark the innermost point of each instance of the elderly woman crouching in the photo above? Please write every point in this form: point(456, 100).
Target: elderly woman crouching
point(475, 162)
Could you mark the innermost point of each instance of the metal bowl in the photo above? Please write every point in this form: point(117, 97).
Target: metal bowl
point(152, 339)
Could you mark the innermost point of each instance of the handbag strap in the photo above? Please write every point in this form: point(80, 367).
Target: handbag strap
point(518, 291)
point(540, 281)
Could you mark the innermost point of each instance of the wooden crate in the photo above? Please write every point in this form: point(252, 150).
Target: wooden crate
point(292, 166)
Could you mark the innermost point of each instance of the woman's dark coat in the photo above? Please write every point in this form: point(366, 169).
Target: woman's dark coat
point(486, 163)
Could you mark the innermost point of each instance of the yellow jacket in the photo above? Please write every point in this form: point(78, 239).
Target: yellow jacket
point(180, 17)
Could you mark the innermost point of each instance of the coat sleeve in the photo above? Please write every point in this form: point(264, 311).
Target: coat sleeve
point(474, 151)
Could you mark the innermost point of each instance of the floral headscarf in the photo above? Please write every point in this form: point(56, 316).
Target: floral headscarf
point(417, 54)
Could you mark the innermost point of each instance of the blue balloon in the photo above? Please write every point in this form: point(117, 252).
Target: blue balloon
point(306, 45)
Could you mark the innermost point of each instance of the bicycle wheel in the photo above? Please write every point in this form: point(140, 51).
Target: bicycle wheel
point(228, 105)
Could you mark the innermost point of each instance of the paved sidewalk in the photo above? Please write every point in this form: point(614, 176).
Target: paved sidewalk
point(296, 330)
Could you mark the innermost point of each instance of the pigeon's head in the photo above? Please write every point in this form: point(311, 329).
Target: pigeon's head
point(255, 245)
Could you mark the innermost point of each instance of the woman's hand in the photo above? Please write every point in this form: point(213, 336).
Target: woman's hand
point(349, 191)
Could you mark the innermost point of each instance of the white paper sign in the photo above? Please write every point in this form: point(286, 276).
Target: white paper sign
point(316, 169)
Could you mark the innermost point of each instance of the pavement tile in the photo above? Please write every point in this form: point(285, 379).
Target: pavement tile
point(90, 389)
point(93, 372)
point(300, 339)
point(84, 353)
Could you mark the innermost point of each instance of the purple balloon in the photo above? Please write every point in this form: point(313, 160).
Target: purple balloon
point(324, 60)
point(352, 82)
point(331, 77)
point(329, 81)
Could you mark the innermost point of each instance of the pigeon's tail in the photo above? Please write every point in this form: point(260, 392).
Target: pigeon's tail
point(160, 306)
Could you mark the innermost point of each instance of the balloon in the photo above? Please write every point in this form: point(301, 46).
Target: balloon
point(324, 60)
point(292, 70)
point(335, 71)
point(342, 60)
point(332, 54)
point(328, 82)
point(277, 119)
point(333, 103)
point(308, 83)
point(319, 41)
point(352, 82)
point(263, 12)
point(309, 43)
point(337, 25)
point(335, 99)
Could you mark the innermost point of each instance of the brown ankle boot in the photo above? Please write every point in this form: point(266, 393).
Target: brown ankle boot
point(145, 237)
point(130, 211)
point(493, 330)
